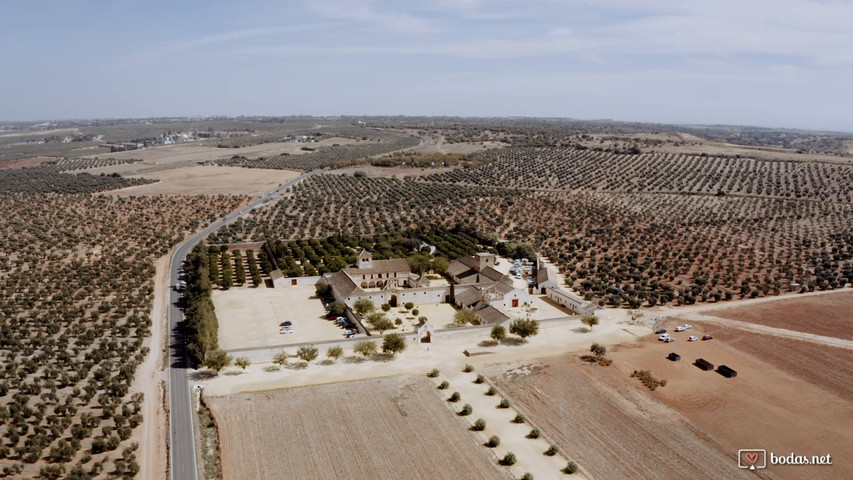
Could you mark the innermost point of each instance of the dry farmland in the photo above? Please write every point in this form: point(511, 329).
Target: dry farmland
point(210, 180)
point(783, 388)
point(610, 426)
point(386, 428)
point(827, 367)
point(829, 315)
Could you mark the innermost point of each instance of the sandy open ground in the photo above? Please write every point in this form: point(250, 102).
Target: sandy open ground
point(446, 352)
point(390, 428)
point(210, 180)
point(250, 317)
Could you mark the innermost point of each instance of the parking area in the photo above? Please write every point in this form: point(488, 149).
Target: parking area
point(250, 317)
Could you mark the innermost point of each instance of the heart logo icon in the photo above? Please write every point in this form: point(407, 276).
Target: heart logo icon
point(751, 457)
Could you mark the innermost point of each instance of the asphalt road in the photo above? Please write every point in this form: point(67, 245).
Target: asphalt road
point(181, 438)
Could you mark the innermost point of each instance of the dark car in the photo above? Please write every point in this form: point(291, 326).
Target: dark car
point(660, 330)
point(285, 324)
point(707, 337)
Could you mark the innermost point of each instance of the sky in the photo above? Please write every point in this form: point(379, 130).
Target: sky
point(773, 63)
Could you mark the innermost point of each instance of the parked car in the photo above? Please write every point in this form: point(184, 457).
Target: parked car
point(669, 340)
point(286, 324)
point(692, 338)
point(680, 328)
point(660, 330)
point(286, 330)
point(687, 325)
point(707, 337)
point(664, 337)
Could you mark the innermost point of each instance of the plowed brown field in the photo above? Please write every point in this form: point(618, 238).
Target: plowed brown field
point(386, 428)
point(789, 396)
point(829, 315)
point(609, 426)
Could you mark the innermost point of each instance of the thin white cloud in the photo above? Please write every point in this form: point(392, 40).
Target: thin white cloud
point(194, 43)
point(388, 18)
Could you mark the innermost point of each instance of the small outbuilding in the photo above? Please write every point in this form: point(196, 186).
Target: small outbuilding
point(674, 357)
point(704, 364)
point(726, 371)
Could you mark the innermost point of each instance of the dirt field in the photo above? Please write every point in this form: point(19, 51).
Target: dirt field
point(388, 428)
point(763, 407)
point(250, 317)
point(192, 153)
point(23, 162)
point(388, 172)
point(610, 426)
point(209, 180)
point(829, 315)
point(824, 366)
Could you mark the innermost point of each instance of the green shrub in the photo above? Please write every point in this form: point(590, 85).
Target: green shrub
point(571, 468)
point(480, 378)
point(491, 391)
point(504, 403)
point(533, 433)
point(552, 450)
point(444, 385)
point(433, 373)
point(454, 397)
point(467, 409)
point(509, 459)
point(479, 425)
point(409, 305)
point(386, 307)
point(468, 368)
point(398, 321)
point(415, 312)
point(520, 418)
point(527, 476)
point(494, 441)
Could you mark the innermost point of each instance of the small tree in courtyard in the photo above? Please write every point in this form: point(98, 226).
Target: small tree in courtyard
point(464, 317)
point(498, 333)
point(393, 343)
point(363, 306)
point(242, 362)
point(524, 327)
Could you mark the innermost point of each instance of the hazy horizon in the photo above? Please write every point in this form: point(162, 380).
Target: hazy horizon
point(780, 64)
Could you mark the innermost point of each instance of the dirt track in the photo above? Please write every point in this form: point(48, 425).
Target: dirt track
point(388, 428)
point(152, 434)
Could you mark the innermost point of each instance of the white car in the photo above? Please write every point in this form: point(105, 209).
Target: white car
point(692, 338)
point(286, 330)
point(680, 328)
point(669, 340)
point(664, 337)
point(687, 325)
